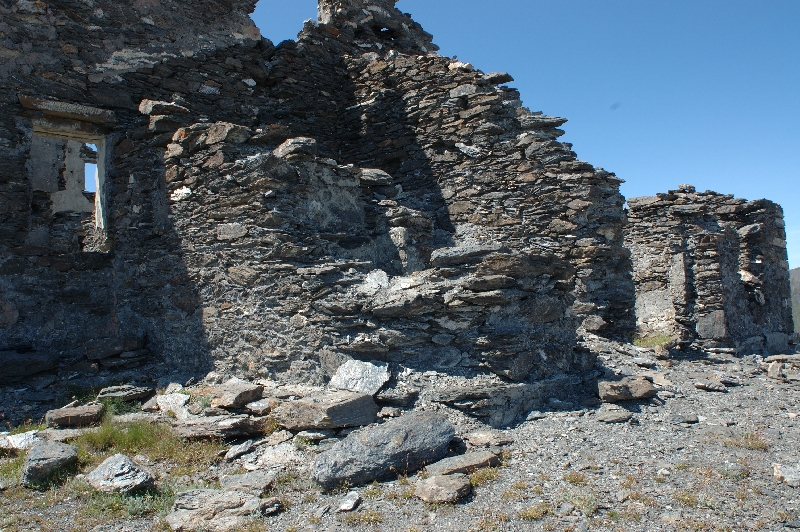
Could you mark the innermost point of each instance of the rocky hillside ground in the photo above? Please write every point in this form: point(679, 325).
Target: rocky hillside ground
point(795, 280)
point(669, 442)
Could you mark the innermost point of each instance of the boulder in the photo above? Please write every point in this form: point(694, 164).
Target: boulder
point(218, 427)
point(329, 410)
point(361, 377)
point(627, 389)
point(262, 407)
point(125, 392)
point(465, 463)
point(256, 482)
point(217, 511)
point(235, 394)
point(399, 446)
point(488, 438)
point(443, 488)
point(120, 474)
point(77, 416)
point(174, 403)
point(45, 459)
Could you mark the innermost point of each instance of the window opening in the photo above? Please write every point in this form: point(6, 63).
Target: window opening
point(67, 180)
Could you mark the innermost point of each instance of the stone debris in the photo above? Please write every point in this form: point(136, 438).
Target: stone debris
point(785, 474)
point(218, 427)
point(465, 463)
point(399, 446)
point(235, 394)
point(19, 442)
point(120, 474)
point(350, 502)
point(361, 377)
point(626, 389)
point(335, 409)
point(217, 511)
point(256, 482)
point(710, 386)
point(614, 415)
point(125, 392)
point(443, 489)
point(46, 459)
point(77, 416)
point(488, 438)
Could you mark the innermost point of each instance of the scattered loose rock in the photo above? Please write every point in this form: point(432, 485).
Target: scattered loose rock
point(45, 459)
point(350, 502)
point(466, 463)
point(256, 482)
point(627, 389)
point(78, 416)
point(125, 392)
point(337, 409)
point(402, 445)
point(710, 386)
point(361, 377)
point(120, 474)
point(217, 511)
point(235, 393)
point(443, 488)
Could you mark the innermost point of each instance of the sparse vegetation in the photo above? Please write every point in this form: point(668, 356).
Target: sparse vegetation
point(753, 442)
point(687, 498)
point(482, 477)
point(576, 479)
point(652, 341)
point(367, 517)
point(584, 500)
point(536, 512)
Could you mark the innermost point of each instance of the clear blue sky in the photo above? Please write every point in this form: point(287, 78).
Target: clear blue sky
point(660, 92)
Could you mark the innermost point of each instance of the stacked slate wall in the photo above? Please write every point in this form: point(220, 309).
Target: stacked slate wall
point(711, 270)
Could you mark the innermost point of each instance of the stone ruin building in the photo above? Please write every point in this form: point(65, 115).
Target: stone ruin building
point(273, 211)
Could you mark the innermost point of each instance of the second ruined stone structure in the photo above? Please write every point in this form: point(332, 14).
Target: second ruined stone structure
point(711, 270)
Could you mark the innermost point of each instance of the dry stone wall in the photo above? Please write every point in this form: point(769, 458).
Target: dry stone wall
point(711, 270)
point(274, 211)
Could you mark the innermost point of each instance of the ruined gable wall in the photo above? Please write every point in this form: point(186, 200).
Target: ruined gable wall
point(711, 269)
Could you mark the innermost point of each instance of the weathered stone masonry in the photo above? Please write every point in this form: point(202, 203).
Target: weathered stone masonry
point(274, 211)
point(711, 269)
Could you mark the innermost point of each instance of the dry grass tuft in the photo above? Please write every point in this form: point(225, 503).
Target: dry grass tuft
point(482, 477)
point(536, 512)
point(750, 441)
point(576, 479)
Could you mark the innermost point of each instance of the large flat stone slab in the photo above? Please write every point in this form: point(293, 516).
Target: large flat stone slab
point(45, 459)
point(126, 392)
point(218, 427)
point(627, 389)
point(465, 463)
point(402, 445)
point(235, 394)
point(217, 511)
point(443, 489)
point(331, 410)
point(361, 377)
point(77, 416)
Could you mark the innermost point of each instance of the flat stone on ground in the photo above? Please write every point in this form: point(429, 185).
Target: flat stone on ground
point(465, 463)
point(217, 511)
point(256, 482)
point(327, 411)
point(235, 393)
point(627, 389)
point(125, 392)
point(218, 427)
point(120, 474)
point(402, 445)
point(46, 458)
point(443, 488)
point(78, 416)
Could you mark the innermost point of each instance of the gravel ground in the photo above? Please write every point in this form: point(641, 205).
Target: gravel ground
point(688, 459)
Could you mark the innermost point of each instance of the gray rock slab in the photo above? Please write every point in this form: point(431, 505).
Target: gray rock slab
point(443, 488)
point(465, 463)
point(256, 482)
point(335, 409)
point(125, 392)
point(235, 394)
point(217, 511)
point(120, 474)
point(238, 450)
point(488, 438)
point(218, 427)
point(402, 445)
point(78, 416)
point(361, 377)
point(614, 416)
point(350, 502)
point(627, 389)
point(46, 458)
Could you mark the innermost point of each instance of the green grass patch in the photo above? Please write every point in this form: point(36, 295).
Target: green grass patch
point(157, 442)
point(153, 502)
point(482, 477)
point(651, 341)
point(11, 468)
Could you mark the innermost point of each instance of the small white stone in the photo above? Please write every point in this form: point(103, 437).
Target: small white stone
point(350, 502)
